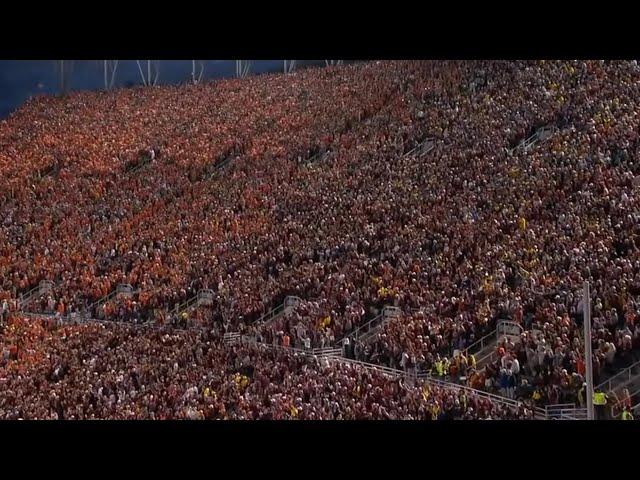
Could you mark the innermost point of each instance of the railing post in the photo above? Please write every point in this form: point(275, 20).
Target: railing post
point(587, 349)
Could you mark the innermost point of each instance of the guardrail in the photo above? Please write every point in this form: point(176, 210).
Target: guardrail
point(124, 289)
point(76, 318)
point(363, 331)
point(271, 314)
point(290, 302)
point(508, 328)
point(624, 375)
point(203, 297)
point(565, 411)
point(44, 287)
point(542, 134)
point(481, 343)
point(617, 407)
point(231, 338)
point(432, 380)
point(328, 352)
point(121, 289)
point(425, 147)
point(181, 307)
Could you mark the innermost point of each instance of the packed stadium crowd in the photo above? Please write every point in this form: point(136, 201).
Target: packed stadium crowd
point(330, 194)
point(118, 371)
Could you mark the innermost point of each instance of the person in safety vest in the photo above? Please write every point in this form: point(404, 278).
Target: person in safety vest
point(439, 366)
point(626, 414)
point(471, 360)
point(600, 404)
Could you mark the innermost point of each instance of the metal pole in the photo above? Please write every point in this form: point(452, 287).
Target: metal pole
point(586, 308)
point(63, 85)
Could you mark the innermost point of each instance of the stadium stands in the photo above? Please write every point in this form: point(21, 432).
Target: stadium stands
point(463, 194)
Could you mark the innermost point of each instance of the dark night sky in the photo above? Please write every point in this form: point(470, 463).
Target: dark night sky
point(21, 79)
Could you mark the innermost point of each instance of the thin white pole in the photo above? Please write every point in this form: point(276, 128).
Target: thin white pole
point(587, 349)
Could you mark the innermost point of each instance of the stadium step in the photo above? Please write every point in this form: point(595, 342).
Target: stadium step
point(219, 167)
point(367, 332)
point(564, 411)
point(285, 308)
point(43, 288)
point(485, 356)
point(327, 352)
point(203, 297)
point(231, 338)
point(628, 378)
point(482, 348)
point(422, 148)
point(541, 134)
point(121, 289)
point(409, 379)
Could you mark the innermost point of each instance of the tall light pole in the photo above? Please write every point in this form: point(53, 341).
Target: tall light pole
point(588, 359)
point(64, 70)
point(109, 67)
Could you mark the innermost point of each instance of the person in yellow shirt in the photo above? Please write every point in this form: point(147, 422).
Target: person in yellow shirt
point(325, 322)
point(626, 414)
point(522, 224)
point(425, 393)
point(537, 395)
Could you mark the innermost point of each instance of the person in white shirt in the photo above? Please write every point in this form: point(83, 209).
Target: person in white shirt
point(515, 368)
point(345, 347)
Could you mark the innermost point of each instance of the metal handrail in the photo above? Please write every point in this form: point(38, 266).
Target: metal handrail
point(205, 297)
point(271, 314)
point(30, 292)
point(422, 145)
point(435, 381)
point(124, 288)
point(181, 307)
point(481, 341)
point(102, 300)
point(626, 371)
point(373, 366)
point(569, 412)
point(74, 317)
point(44, 286)
point(489, 356)
point(507, 323)
point(480, 393)
point(326, 351)
point(387, 313)
point(362, 327)
point(559, 406)
point(289, 302)
point(619, 402)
